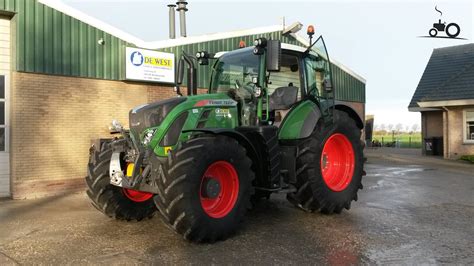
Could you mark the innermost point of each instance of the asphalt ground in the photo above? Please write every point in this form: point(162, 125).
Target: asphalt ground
point(412, 210)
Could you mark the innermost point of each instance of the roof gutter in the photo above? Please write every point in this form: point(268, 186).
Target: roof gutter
point(420, 109)
point(442, 104)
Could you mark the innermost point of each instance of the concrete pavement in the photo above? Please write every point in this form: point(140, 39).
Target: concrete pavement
point(409, 212)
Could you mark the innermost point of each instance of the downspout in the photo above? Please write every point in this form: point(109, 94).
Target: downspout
point(447, 148)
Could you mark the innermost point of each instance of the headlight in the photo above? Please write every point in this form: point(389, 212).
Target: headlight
point(148, 136)
point(115, 126)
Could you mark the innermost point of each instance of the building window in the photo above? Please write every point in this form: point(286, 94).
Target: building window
point(469, 126)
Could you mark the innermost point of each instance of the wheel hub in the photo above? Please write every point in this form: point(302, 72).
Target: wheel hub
point(219, 189)
point(210, 188)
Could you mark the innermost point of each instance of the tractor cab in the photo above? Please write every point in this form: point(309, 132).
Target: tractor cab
point(267, 83)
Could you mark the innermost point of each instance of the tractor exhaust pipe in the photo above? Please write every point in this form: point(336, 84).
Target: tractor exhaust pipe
point(182, 16)
point(172, 21)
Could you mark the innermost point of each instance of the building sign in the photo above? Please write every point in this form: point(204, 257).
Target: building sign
point(149, 65)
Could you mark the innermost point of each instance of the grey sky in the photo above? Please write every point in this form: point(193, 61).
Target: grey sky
point(378, 40)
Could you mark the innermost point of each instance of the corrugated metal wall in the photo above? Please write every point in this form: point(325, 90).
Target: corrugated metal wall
point(50, 42)
point(347, 87)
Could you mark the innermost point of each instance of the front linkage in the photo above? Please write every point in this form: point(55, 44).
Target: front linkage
point(142, 166)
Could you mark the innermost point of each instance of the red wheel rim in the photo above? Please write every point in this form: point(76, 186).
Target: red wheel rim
point(226, 176)
point(137, 196)
point(337, 162)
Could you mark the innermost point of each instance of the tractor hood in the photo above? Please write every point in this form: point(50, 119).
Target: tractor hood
point(151, 115)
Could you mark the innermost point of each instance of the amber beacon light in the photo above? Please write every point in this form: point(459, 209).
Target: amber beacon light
point(310, 32)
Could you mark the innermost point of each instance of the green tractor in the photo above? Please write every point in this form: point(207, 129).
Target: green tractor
point(268, 124)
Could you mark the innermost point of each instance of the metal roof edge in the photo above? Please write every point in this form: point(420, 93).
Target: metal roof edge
point(127, 37)
point(335, 62)
point(213, 37)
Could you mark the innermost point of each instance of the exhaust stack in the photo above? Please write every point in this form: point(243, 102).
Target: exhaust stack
point(182, 16)
point(172, 21)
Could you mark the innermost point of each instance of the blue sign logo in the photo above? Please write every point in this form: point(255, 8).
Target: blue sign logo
point(136, 58)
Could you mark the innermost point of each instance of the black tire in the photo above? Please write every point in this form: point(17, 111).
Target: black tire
point(458, 30)
point(313, 194)
point(110, 199)
point(433, 32)
point(179, 200)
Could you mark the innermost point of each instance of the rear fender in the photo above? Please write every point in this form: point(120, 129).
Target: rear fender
point(300, 122)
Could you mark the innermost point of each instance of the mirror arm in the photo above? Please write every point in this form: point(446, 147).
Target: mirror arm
point(192, 86)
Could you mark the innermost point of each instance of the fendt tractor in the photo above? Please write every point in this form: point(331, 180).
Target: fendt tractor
point(268, 124)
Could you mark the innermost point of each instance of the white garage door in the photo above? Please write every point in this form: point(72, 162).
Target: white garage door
point(4, 106)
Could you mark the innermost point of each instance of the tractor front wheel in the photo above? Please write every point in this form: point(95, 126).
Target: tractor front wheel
point(206, 187)
point(329, 167)
point(113, 201)
point(433, 32)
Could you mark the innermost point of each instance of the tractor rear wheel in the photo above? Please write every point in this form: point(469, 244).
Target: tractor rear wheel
point(453, 34)
point(206, 188)
point(329, 167)
point(113, 201)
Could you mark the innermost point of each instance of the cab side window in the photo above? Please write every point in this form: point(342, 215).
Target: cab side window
point(288, 76)
point(315, 74)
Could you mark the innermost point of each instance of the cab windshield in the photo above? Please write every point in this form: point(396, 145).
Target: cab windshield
point(234, 70)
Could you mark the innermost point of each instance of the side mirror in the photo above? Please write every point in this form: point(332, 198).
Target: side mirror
point(273, 55)
point(180, 71)
point(327, 85)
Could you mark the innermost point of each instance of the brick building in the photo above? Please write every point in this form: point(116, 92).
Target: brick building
point(63, 80)
point(445, 98)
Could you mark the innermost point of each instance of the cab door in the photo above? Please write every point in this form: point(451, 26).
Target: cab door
point(317, 100)
point(288, 83)
point(300, 118)
point(319, 78)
